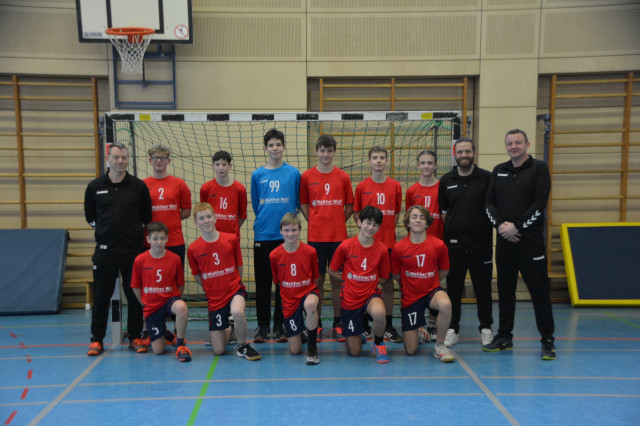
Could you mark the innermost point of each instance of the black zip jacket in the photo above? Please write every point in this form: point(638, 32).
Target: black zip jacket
point(520, 195)
point(462, 200)
point(118, 212)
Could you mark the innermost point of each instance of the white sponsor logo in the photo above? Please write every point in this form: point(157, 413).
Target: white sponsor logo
point(294, 284)
point(362, 278)
point(539, 257)
point(214, 274)
point(102, 192)
point(503, 174)
point(103, 246)
point(452, 186)
point(420, 275)
point(453, 241)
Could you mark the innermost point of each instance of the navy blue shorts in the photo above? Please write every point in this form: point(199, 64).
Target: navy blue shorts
point(352, 319)
point(156, 322)
point(219, 319)
point(295, 323)
point(325, 254)
point(413, 316)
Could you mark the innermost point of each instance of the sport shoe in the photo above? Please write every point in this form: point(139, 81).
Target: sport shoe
point(170, 338)
point(138, 346)
point(548, 352)
point(423, 335)
point(183, 354)
point(319, 337)
point(95, 348)
point(499, 343)
point(278, 334)
point(391, 334)
point(146, 339)
point(312, 356)
point(433, 333)
point(336, 333)
point(248, 352)
point(486, 336)
point(451, 338)
point(262, 335)
point(443, 353)
point(380, 351)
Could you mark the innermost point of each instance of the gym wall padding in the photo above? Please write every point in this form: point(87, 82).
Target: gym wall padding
point(601, 261)
point(32, 265)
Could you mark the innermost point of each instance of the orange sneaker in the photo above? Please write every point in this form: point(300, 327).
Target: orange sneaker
point(183, 354)
point(95, 348)
point(138, 346)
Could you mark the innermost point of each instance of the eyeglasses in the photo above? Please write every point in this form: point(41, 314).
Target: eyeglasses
point(159, 158)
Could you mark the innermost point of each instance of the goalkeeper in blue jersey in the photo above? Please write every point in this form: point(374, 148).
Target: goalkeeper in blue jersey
point(275, 189)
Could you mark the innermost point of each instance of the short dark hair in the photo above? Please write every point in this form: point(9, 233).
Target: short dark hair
point(373, 213)
point(221, 155)
point(274, 134)
point(428, 152)
point(424, 212)
point(473, 145)
point(326, 141)
point(119, 146)
point(157, 227)
point(515, 132)
point(378, 148)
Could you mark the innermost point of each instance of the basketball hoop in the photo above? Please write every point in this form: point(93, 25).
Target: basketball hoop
point(131, 44)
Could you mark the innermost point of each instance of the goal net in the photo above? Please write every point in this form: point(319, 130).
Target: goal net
point(194, 137)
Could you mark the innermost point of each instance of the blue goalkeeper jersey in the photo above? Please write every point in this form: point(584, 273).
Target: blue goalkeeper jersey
point(274, 192)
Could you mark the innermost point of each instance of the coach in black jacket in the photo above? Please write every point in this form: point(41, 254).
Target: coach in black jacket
point(517, 196)
point(118, 206)
point(469, 236)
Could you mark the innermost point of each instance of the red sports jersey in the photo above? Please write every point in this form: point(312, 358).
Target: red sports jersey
point(418, 266)
point(362, 268)
point(168, 196)
point(296, 273)
point(159, 279)
point(386, 196)
point(217, 263)
point(426, 196)
point(229, 204)
point(326, 194)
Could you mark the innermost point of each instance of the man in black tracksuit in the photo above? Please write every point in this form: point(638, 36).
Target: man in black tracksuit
point(469, 236)
point(517, 196)
point(118, 206)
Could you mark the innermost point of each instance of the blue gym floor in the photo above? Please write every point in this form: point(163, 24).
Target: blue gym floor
point(46, 378)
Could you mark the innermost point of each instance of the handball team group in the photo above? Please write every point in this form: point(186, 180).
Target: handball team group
point(449, 222)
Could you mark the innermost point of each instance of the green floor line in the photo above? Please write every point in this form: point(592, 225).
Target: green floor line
point(203, 392)
point(623, 320)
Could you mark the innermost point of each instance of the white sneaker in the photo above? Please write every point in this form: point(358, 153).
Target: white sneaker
point(487, 336)
point(423, 336)
point(451, 338)
point(443, 353)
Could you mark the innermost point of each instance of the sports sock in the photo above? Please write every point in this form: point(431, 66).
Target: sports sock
point(313, 337)
point(337, 322)
point(179, 341)
point(377, 340)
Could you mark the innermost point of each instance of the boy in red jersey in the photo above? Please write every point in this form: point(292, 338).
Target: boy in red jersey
point(363, 262)
point(326, 201)
point(227, 196)
point(216, 264)
point(419, 262)
point(170, 198)
point(159, 273)
point(425, 193)
point(386, 194)
point(294, 266)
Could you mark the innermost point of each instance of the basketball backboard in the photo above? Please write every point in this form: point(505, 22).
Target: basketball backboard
point(171, 19)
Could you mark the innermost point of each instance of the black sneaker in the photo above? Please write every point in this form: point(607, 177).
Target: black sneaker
point(278, 334)
point(246, 351)
point(391, 334)
point(262, 335)
point(548, 352)
point(312, 356)
point(499, 343)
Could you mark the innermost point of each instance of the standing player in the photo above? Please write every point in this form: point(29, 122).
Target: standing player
point(469, 238)
point(362, 262)
point(385, 193)
point(326, 201)
point(160, 274)
point(216, 264)
point(517, 196)
point(118, 206)
point(425, 191)
point(227, 196)
point(294, 266)
point(275, 190)
point(419, 262)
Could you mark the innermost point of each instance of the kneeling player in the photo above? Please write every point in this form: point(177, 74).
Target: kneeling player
point(216, 264)
point(419, 262)
point(294, 266)
point(159, 273)
point(364, 263)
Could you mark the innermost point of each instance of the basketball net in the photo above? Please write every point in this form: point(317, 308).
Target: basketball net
point(131, 43)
